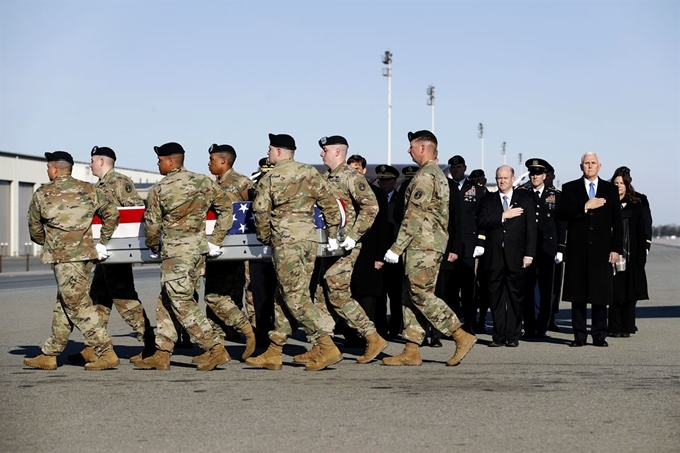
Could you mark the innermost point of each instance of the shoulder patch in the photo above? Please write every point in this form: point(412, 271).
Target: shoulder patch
point(418, 195)
point(128, 188)
point(362, 186)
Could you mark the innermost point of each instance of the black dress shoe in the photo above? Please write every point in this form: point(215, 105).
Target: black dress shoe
point(497, 344)
point(577, 343)
point(600, 342)
point(425, 342)
point(435, 343)
point(552, 327)
point(625, 335)
point(616, 335)
point(512, 344)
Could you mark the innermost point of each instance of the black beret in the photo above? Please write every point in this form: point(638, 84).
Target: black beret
point(169, 149)
point(409, 171)
point(536, 166)
point(479, 173)
point(59, 156)
point(456, 160)
point(333, 140)
point(214, 148)
point(386, 172)
point(282, 141)
point(423, 135)
point(103, 151)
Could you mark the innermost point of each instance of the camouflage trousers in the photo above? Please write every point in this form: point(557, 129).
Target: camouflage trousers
point(74, 307)
point(224, 280)
point(179, 281)
point(114, 285)
point(294, 264)
point(421, 305)
point(336, 282)
point(249, 304)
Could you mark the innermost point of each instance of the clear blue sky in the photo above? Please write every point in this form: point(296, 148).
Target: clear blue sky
point(553, 79)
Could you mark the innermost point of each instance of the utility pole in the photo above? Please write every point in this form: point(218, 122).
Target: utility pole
point(387, 72)
point(505, 157)
point(519, 159)
point(430, 102)
point(480, 128)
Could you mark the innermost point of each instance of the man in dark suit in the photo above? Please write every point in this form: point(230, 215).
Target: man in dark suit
point(549, 251)
point(510, 223)
point(591, 208)
point(463, 288)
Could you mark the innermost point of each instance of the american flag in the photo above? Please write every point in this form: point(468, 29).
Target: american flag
point(244, 220)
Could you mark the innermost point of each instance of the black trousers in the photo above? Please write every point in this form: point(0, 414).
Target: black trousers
point(393, 281)
point(541, 271)
point(263, 286)
point(506, 292)
point(579, 319)
point(463, 290)
point(622, 317)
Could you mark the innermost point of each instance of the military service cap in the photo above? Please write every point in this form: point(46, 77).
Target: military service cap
point(386, 172)
point(457, 160)
point(409, 171)
point(536, 166)
point(168, 149)
point(103, 151)
point(264, 164)
point(282, 141)
point(548, 167)
point(479, 173)
point(59, 156)
point(333, 140)
point(214, 148)
point(422, 135)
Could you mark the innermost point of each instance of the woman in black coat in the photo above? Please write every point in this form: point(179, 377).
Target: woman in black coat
point(630, 280)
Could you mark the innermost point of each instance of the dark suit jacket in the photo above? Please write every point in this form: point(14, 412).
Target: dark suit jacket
point(507, 243)
point(470, 196)
point(591, 237)
point(455, 227)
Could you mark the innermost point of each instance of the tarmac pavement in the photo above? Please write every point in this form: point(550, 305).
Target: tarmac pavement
point(539, 397)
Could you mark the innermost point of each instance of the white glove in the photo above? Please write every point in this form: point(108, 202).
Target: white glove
point(102, 252)
point(214, 251)
point(332, 245)
point(153, 256)
point(348, 244)
point(479, 251)
point(559, 257)
point(391, 257)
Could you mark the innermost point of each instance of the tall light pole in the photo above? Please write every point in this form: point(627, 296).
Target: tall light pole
point(387, 72)
point(505, 158)
point(519, 158)
point(430, 102)
point(480, 128)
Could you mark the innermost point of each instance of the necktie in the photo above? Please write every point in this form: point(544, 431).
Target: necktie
point(591, 191)
point(538, 192)
point(505, 202)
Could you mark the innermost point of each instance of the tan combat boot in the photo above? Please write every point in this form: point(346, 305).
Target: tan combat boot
point(202, 358)
point(44, 362)
point(149, 346)
point(375, 344)
point(271, 359)
point(308, 356)
point(87, 355)
point(410, 356)
point(159, 361)
point(106, 361)
point(218, 356)
point(328, 355)
point(464, 342)
point(251, 342)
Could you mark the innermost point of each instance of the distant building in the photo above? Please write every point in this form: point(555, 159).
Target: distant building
point(20, 176)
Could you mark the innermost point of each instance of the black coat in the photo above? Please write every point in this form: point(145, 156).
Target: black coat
point(507, 243)
point(631, 285)
point(366, 279)
point(591, 237)
point(551, 229)
point(470, 195)
point(455, 227)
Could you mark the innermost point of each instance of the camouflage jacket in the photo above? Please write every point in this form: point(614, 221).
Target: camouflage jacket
point(235, 184)
point(361, 205)
point(427, 212)
point(176, 213)
point(119, 189)
point(60, 219)
point(284, 204)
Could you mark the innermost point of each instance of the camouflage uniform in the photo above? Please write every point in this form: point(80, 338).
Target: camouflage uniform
point(225, 280)
point(60, 219)
point(422, 239)
point(175, 226)
point(114, 284)
point(284, 219)
point(361, 208)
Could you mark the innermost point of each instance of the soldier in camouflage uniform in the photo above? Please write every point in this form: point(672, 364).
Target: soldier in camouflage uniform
point(284, 219)
point(114, 284)
point(224, 278)
point(422, 239)
point(175, 220)
point(60, 219)
point(361, 207)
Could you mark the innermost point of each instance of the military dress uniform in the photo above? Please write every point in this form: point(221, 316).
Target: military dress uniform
point(175, 221)
point(60, 219)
